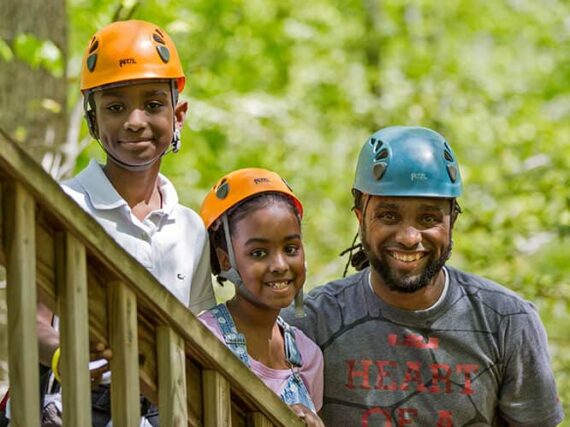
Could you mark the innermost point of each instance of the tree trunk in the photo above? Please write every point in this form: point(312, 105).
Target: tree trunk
point(32, 101)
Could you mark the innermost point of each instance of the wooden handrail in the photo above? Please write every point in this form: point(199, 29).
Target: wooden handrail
point(51, 247)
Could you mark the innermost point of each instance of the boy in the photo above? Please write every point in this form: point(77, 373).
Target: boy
point(131, 78)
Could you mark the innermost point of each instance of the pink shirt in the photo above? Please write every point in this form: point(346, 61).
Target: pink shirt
point(311, 372)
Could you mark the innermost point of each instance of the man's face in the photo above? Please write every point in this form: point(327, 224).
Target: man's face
point(406, 239)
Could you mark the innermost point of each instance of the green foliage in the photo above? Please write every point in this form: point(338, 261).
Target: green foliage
point(297, 87)
point(5, 51)
point(36, 52)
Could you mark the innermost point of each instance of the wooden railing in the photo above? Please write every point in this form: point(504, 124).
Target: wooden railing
point(57, 254)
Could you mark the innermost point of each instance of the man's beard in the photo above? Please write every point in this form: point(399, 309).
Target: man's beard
point(406, 285)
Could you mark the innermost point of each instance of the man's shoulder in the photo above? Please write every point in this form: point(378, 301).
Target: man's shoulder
point(339, 289)
point(489, 292)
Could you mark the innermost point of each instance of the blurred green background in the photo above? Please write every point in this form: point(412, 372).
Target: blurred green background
point(297, 86)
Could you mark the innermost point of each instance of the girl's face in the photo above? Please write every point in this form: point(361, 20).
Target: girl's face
point(269, 254)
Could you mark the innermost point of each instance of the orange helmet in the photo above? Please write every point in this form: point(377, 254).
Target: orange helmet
point(130, 50)
point(240, 185)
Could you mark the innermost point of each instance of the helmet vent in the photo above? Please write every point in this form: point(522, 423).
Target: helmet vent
point(381, 155)
point(94, 45)
point(378, 170)
point(452, 171)
point(157, 38)
point(164, 53)
point(447, 156)
point(223, 190)
point(91, 62)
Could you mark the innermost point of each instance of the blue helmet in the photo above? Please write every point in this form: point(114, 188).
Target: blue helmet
point(407, 161)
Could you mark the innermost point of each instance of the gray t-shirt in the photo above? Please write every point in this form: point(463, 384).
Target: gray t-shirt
point(477, 358)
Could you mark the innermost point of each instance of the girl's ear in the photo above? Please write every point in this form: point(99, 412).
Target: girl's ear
point(223, 259)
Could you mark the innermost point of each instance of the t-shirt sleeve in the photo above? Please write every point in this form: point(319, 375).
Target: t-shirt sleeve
point(312, 370)
point(211, 323)
point(201, 291)
point(528, 394)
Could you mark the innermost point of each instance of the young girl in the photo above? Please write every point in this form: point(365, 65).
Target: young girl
point(254, 222)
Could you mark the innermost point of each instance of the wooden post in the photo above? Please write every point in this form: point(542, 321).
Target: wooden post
point(171, 378)
point(257, 419)
point(217, 399)
point(20, 245)
point(74, 330)
point(125, 389)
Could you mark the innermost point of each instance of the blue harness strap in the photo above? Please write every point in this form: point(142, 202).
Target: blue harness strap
point(295, 390)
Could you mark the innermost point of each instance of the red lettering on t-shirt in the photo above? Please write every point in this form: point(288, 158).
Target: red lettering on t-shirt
point(413, 341)
point(444, 419)
point(437, 376)
point(384, 373)
point(467, 370)
point(363, 373)
point(406, 416)
point(413, 374)
point(376, 410)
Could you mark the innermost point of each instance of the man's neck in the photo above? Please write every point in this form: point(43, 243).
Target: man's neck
point(422, 299)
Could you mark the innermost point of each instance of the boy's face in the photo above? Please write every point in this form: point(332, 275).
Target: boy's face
point(135, 122)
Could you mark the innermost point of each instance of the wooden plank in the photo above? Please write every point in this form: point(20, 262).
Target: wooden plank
point(74, 330)
point(19, 243)
point(158, 304)
point(194, 393)
point(171, 378)
point(217, 399)
point(125, 401)
point(257, 419)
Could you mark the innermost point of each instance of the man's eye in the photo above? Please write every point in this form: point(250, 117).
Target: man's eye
point(430, 220)
point(387, 216)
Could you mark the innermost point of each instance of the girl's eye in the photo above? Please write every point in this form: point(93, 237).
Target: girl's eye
point(258, 253)
point(115, 108)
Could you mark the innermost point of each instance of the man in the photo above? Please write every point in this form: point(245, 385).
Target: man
point(409, 340)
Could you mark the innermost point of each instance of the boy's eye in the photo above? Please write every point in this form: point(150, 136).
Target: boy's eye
point(291, 249)
point(154, 105)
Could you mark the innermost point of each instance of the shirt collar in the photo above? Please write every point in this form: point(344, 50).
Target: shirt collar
point(103, 195)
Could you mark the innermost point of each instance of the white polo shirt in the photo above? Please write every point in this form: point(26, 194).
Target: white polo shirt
point(171, 242)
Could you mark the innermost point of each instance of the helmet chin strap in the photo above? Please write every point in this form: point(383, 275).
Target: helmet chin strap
point(232, 274)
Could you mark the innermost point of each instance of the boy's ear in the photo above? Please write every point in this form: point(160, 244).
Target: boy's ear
point(223, 259)
point(180, 111)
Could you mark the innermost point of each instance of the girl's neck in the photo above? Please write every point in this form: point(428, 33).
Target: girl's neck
point(262, 333)
point(252, 317)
